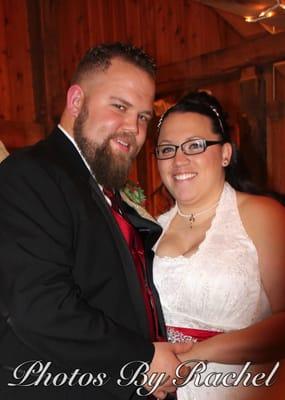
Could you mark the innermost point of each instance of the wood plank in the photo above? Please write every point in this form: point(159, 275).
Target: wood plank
point(161, 33)
point(19, 62)
point(132, 22)
point(95, 21)
point(257, 51)
point(239, 7)
point(239, 24)
point(73, 36)
point(16, 134)
point(207, 31)
point(37, 60)
point(176, 24)
point(276, 110)
point(275, 129)
point(52, 64)
point(103, 13)
point(253, 124)
point(276, 146)
point(186, 29)
point(147, 22)
point(5, 104)
point(178, 44)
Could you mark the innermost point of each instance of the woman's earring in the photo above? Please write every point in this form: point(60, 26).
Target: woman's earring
point(225, 162)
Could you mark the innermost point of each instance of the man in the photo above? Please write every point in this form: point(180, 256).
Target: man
point(74, 290)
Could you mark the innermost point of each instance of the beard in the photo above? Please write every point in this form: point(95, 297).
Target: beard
point(111, 169)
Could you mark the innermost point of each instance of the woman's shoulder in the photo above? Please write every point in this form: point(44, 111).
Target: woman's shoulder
point(262, 215)
point(263, 206)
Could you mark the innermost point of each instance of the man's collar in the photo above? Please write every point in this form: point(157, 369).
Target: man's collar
point(71, 139)
point(140, 210)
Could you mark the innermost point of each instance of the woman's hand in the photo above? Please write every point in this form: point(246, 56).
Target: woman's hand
point(192, 355)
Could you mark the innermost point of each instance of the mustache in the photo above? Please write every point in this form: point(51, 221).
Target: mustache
point(126, 137)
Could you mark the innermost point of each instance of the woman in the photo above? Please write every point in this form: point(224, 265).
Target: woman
point(219, 264)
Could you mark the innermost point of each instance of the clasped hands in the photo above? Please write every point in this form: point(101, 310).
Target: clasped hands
point(165, 362)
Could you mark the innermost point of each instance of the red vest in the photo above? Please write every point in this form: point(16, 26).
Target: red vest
point(135, 245)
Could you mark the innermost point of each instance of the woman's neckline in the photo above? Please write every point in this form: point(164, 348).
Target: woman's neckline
point(207, 233)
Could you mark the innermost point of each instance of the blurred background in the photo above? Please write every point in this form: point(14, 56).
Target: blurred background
point(234, 49)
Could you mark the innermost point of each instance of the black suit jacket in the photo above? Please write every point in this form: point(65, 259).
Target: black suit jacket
point(69, 291)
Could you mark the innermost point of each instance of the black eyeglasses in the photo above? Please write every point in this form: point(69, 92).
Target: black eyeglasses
point(190, 147)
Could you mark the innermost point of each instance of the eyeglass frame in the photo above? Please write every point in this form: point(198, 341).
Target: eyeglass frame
point(206, 144)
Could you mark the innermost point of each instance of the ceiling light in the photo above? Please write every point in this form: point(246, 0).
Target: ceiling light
point(268, 13)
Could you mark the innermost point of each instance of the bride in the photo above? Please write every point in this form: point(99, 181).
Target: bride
point(219, 264)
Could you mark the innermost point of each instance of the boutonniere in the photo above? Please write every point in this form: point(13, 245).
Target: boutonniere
point(134, 196)
point(135, 193)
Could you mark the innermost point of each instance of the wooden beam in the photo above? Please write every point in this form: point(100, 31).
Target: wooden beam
point(215, 66)
point(36, 51)
point(252, 124)
point(239, 24)
point(52, 62)
point(276, 109)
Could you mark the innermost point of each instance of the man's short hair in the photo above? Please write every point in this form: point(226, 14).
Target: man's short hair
point(100, 58)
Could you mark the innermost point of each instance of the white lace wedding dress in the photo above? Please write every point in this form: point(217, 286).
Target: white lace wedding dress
point(218, 288)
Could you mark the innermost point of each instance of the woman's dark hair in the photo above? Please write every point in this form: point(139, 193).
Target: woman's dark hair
point(206, 104)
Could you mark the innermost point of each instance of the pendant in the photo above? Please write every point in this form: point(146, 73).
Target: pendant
point(191, 220)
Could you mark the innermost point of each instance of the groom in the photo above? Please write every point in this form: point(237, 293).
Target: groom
point(76, 286)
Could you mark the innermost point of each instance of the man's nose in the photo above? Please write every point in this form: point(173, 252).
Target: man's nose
point(131, 124)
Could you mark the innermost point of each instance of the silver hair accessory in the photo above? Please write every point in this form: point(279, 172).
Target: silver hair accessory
point(160, 121)
point(215, 111)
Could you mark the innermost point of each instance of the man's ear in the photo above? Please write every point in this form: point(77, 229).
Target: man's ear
point(74, 100)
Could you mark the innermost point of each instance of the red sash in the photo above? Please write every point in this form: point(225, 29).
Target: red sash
point(176, 333)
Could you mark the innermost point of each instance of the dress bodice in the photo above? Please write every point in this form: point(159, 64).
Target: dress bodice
point(219, 287)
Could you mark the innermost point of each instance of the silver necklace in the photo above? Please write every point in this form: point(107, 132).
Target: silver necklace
point(192, 216)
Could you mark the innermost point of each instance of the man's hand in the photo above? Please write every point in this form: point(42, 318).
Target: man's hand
point(165, 361)
point(3, 152)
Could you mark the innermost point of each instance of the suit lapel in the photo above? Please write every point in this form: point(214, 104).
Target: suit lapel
point(66, 154)
point(149, 230)
point(127, 263)
point(150, 233)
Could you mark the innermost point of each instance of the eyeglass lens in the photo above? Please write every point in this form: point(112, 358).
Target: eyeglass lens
point(190, 147)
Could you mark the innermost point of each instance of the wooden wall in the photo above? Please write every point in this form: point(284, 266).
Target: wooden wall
point(169, 30)
point(275, 79)
point(41, 42)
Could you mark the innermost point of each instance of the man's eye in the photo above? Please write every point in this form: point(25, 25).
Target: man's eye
point(144, 118)
point(120, 106)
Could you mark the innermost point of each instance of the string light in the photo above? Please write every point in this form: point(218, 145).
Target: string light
point(268, 13)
